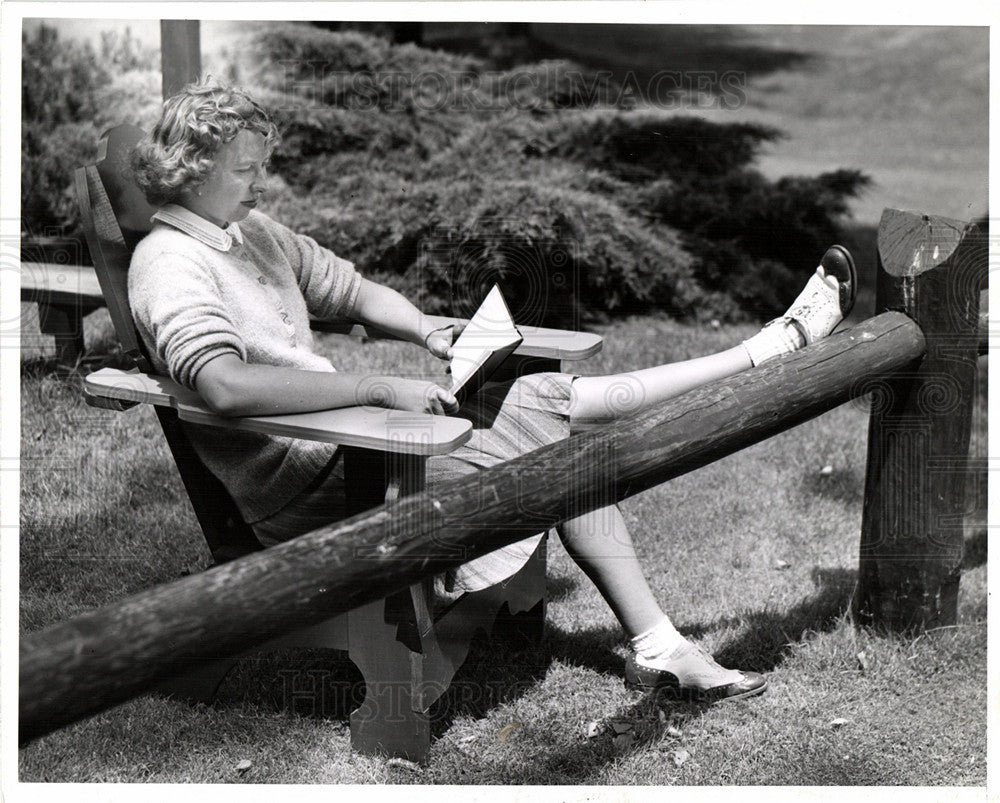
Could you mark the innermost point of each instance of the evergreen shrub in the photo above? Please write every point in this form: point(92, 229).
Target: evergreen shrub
point(438, 173)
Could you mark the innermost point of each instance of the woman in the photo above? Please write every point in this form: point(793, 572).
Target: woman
point(222, 294)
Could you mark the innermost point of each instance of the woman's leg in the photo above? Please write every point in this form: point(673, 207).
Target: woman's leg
point(600, 543)
point(823, 303)
point(604, 398)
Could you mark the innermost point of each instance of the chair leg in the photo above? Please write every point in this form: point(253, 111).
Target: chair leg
point(527, 626)
point(388, 721)
point(391, 719)
point(530, 585)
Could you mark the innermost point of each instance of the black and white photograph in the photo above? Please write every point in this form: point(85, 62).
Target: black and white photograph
point(571, 400)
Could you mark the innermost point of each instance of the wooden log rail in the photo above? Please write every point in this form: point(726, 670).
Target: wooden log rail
point(81, 666)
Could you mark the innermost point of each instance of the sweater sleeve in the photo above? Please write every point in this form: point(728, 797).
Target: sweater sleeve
point(183, 321)
point(328, 283)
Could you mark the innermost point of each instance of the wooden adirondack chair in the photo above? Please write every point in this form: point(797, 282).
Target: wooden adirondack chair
point(406, 648)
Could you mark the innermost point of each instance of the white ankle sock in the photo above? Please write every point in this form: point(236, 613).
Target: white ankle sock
point(778, 337)
point(659, 641)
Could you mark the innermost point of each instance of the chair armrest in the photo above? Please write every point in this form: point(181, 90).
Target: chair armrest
point(554, 344)
point(364, 427)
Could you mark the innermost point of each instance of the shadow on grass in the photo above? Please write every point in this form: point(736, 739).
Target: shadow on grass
point(767, 635)
point(502, 667)
point(317, 684)
point(765, 639)
point(559, 587)
point(325, 684)
point(700, 50)
point(93, 359)
point(640, 48)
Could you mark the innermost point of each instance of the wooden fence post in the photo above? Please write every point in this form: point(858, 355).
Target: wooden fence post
point(180, 54)
point(932, 269)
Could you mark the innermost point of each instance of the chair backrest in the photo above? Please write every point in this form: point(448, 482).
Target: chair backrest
point(104, 192)
point(115, 216)
point(132, 210)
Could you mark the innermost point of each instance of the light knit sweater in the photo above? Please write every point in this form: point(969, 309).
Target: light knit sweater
point(198, 292)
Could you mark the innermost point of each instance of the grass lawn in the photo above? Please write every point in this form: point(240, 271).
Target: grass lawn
point(754, 557)
point(908, 105)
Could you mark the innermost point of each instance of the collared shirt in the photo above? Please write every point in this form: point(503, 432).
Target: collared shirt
point(198, 290)
point(202, 230)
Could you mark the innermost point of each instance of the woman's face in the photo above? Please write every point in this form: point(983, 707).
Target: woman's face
point(236, 182)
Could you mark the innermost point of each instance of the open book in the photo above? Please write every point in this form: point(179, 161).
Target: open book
point(488, 339)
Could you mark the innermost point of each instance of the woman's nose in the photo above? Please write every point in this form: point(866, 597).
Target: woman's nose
point(259, 183)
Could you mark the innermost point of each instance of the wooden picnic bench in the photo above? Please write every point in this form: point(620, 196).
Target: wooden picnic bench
point(64, 293)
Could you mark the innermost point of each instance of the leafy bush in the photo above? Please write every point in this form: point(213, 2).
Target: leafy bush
point(48, 159)
point(531, 163)
point(354, 70)
point(521, 230)
point(433, 234)
point(71, 95)
point(755, 238)
point(432, 170)
point(57, 96)
point(646, 146)
point(337, 92)
point(314, 140)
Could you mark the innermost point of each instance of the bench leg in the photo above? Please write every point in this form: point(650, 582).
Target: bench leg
point(66, 325)
point(386, 721)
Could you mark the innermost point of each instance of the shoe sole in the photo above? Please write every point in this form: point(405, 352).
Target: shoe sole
point(692, 695)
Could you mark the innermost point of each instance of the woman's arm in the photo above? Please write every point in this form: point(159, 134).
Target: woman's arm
point(231, 387)
point(385, 309)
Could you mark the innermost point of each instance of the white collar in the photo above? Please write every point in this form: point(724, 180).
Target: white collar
point(202, 230)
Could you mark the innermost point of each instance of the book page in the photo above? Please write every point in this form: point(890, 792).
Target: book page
point(490, 330)
point(465, 363)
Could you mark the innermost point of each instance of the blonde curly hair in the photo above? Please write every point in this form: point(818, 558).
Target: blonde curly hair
point(179, 153)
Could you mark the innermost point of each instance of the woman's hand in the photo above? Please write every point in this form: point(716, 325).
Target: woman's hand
point(439, 341)
point(413, 395)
